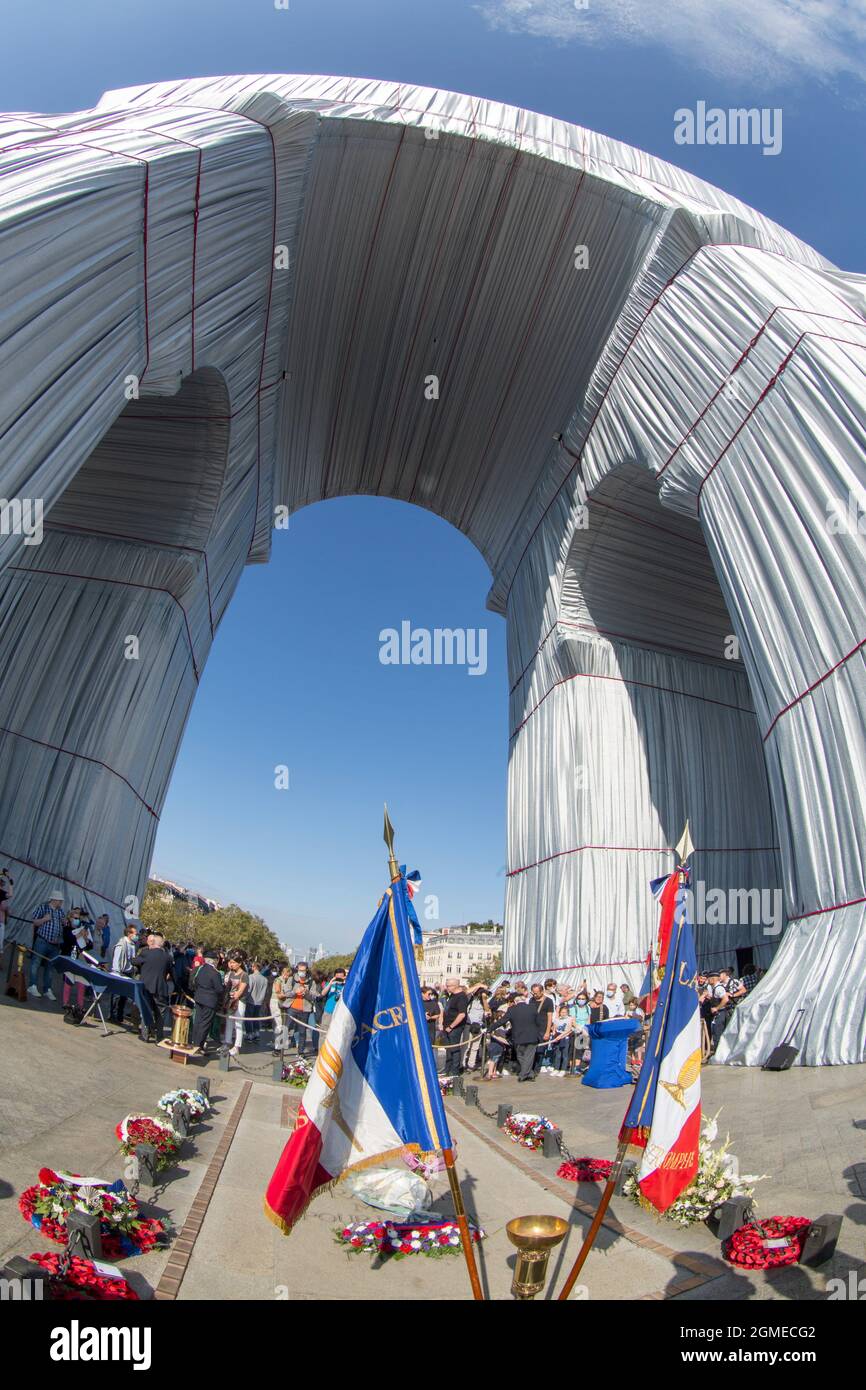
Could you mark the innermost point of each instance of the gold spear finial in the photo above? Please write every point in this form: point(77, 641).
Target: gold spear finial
point(685, 846)
point(393, 866)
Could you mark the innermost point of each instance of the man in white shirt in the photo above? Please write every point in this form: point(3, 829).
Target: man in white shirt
point(614, 1001)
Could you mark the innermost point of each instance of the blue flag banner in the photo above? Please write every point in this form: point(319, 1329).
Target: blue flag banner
point(665, 1111)
point(374, 1092)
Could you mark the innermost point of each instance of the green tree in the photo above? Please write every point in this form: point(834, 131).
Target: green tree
point(235, 929)
point(229, 928)
point(328, 964)
point(485, 972)
point(175, 918)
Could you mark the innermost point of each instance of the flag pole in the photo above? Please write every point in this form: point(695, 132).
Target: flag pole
point(682, 851)
point(463, 1225)
point(447, 1154)
point(593, 1231)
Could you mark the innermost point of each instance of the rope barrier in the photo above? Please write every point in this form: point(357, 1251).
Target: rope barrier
point(238, 1018)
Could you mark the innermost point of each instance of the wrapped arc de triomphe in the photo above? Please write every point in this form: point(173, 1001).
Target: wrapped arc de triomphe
point(640, 399)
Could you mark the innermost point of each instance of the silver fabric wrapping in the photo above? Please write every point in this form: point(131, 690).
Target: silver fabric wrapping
point(227, 294)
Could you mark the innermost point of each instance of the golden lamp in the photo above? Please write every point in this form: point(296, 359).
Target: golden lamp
point(535, 1237)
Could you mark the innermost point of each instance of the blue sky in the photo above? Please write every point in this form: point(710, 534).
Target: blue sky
point(294, 676)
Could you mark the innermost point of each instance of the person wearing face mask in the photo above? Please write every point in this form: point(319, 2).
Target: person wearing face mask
point(614, 1002)
point(301, 996)
point(77, 932)
point(579, 1011)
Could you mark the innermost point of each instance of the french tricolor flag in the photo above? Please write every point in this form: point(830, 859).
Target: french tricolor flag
point(664, 1117)
point(374, 1092)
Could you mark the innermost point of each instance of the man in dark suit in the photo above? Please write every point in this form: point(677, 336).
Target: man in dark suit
point(153, 967)
point(207, 990)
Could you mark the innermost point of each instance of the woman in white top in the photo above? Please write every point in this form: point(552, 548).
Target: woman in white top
point(236, 979)
point(280, 996)
point(556, 1055)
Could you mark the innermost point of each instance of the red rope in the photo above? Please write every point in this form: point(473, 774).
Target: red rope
point(639, 849)
point(814, 686)
point(621, 680)
point(61, 878)
point(116, 154)
point(84, 757)
point(769, 386)
point(822, 911)
point(786, 308)
point(581, 965)
point(719, 246)
point(126, 583)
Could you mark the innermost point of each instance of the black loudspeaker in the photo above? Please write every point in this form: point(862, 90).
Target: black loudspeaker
point(729, 1217)
point(821, 1240)
point(781, 1057)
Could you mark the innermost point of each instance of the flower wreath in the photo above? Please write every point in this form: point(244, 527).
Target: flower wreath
point(46, 1205)
point(198, 1103)
point(147, 1129)
point(296, 1073)
point(586, 1170)
point(70, 1277)
point(398, 1239)
point(749, 1246)
point(528, 1130)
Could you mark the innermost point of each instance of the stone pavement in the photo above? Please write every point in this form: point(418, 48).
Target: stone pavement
point(804, 1128)
point(62, 1090)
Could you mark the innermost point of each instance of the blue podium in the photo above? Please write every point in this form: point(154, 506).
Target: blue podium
point(609, 1043)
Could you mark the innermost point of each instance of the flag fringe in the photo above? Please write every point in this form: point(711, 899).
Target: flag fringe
point(635, 1135)
point(374, 1159)
point(647, 1205)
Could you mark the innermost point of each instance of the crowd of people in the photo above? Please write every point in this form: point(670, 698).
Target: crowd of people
point(527, 1030)
point(235, 998)
point(538, 1029)
point(719, 993)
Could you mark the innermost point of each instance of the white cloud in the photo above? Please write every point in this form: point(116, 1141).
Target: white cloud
point(773, 41)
